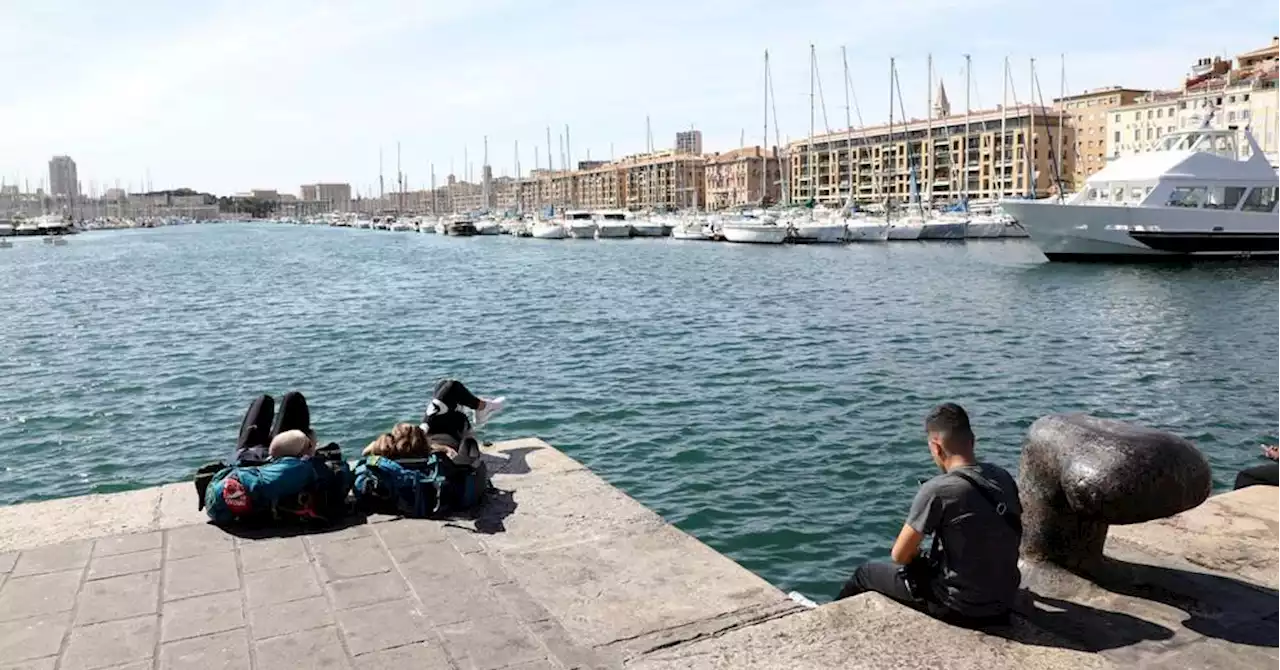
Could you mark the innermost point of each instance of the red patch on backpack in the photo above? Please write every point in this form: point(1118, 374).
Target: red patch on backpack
point(235, 496)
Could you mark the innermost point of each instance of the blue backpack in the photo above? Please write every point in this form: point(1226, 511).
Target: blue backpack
point(307, 489)
point(417, 487)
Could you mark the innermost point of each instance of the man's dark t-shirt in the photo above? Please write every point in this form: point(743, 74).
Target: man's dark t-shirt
point(979, 573)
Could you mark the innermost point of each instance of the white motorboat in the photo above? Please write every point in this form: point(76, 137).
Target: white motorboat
point(549, 230)
point(817, 232)
point(692, 230)
point(648, 228)
point(401, 227)
point(613, 225)
point(580, 225)
point(488, 227)
point(866, 230)
point(460, 227)
point(6, 229)
point(1192, 197)
point(753, 232)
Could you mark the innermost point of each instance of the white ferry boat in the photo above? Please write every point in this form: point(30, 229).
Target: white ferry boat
point(1192, 197)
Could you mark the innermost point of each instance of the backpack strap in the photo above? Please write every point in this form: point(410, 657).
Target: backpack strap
point(1001, 508)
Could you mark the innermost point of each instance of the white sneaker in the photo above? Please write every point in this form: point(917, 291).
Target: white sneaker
point(491, 406)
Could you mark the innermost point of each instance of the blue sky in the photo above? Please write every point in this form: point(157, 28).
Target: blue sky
point(231, 95)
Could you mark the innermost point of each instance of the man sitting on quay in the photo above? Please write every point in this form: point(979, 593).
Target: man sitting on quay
point(970, 575)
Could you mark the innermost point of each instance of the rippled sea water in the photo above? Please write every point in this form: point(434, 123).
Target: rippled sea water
point(768, 400)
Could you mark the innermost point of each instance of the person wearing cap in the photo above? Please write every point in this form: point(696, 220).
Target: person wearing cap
point(266, 434)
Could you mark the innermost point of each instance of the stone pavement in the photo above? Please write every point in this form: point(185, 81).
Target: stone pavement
point(561, 570)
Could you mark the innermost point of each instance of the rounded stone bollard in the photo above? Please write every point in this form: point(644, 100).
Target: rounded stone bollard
point(1079, 474)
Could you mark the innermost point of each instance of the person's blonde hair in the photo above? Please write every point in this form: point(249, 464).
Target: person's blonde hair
point(405, 440)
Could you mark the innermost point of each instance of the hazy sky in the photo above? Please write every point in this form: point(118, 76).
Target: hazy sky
point(238, 94)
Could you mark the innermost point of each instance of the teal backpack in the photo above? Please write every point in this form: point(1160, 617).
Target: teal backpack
point(311, 489)
point(417, 487)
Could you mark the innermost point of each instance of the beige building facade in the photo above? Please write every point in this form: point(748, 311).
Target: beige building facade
point(951, 159)
point(1243, 96)
point(1088, 114)
point(749, 176)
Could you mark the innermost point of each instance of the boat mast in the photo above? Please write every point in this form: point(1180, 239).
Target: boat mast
point(884, 161)
point(1031, 129)
point(1062, 88)
point(848, 122)
point(400, 182)
point(813, 186)
point(550, 168)
point(435, 209)
point(964, 161)
point(764, 140)
point(1004, 119)
point(928, 129)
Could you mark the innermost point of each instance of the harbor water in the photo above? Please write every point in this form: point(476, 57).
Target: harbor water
point(768, 400)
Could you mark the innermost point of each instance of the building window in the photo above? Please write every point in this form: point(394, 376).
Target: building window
point(1117, 118)
point(1244, 114)
point(1182, 104)
point(1117, 137)
point(1137, 116)
point(1157, 133)
point(1245, 97)
point(1137, 134)
point(1231, 98)
point(1160, 113)
point(1231, 116)
point(1151, 114)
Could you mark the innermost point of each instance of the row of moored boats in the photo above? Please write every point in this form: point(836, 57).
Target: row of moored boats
point(759, 226)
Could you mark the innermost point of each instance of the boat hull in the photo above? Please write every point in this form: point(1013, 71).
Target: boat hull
point(948, 230)
point(822, 233)
point(648, 230)
point(582, 231)
point(1128, 234)
point(613, 231)
point(549, 231)
point(682, 233)
point(878, 232)
point(978, 230)
point(761, 234)
point(904, 232)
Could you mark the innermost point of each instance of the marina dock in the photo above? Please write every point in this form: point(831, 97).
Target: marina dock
point(562, 570)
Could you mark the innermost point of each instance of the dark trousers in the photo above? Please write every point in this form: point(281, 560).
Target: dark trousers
point(443, 417)
point(262, 423)
point(884, 578)
point(1267, 474)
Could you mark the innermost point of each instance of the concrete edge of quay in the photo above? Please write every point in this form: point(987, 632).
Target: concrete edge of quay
point(562, 569)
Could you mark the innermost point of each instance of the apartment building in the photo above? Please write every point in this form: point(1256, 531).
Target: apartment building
point(600, 187)
point(1087, 112)
point(1213, 95)
point(995, 152)
point(742, 177)
point(689, 142)
point(663, 180)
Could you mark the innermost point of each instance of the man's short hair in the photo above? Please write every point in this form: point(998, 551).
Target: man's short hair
point(950, 421)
